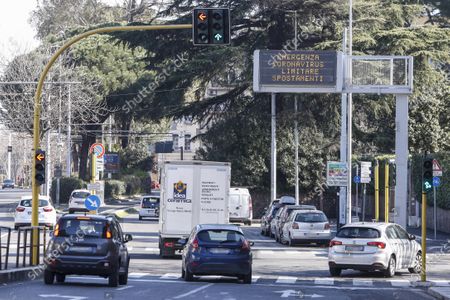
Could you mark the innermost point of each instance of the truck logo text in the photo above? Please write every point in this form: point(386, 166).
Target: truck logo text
point(179, 190)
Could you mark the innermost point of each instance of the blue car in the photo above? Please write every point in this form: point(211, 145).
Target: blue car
point(217, 250)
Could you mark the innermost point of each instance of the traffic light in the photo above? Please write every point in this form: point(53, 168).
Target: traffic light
point(393, 174)
point(39, 165)
point(427, 176)
point(211, 26)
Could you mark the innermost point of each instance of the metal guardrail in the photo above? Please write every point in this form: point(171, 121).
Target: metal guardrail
point(27, 237)
point(6, 247)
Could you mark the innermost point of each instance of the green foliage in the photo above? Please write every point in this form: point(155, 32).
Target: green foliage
point(67, 185)
point(133, 184)
point(135, 158)
point(114, 188)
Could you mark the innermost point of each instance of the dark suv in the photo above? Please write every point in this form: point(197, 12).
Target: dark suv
point(87, 245)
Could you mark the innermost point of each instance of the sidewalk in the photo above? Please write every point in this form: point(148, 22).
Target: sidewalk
point(440, 292)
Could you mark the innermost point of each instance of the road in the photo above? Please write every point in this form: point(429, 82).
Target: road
point(278, 272)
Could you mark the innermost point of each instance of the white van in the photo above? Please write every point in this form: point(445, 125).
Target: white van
point(240, 205)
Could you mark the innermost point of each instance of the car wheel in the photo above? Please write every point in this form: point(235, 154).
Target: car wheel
point(183, 274)
point(290, 241)
point(49, 277)
point(140, 218)
point(71, 211)
point(247, 279)
point(417, 266)
point(335, 272)
point(60, 278)
point(188, 276)
point(16, 227)
point(113, 278)
point(390, 270)
point(123, 278)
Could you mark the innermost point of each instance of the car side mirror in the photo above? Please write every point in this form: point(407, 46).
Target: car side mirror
point(412, 237)
point(50, 233)
point(251, 244)
point(128, 237)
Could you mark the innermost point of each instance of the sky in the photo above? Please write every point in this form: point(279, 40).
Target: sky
point(16, 34)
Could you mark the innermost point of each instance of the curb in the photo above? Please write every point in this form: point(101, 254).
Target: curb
point(121, 213)
point(21, 274)
point(442, 293)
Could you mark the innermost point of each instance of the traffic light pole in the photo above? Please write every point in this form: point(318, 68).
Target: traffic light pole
point(37, 111)
point(423, 274)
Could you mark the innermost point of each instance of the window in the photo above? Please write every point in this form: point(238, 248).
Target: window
point(401, 233)
point(219, 236)
point(187, 142)
point(85, 228)
point(175, 138)
point(28, 202)
point(149, 202)
point(311, 217)
point(391, 233)
point(81, 195)
point(358, 232)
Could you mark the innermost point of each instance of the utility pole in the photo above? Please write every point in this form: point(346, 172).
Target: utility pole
point(349, 119)
point(343, 143)
point(273, 149)
point(9, 156)
point(69, 135)
point(297, 190)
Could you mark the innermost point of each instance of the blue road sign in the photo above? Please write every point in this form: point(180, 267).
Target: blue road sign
point(436, 181)
point(92, 202)
point(356, 179)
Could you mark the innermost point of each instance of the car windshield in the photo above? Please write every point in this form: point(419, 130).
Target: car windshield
point(220, 236)
point(80, 195)
point(7, 181)
point(82, 228)
point(150, 201)
point(27, 203)
point(274, 211)
point(311, 217)
point(358, 233)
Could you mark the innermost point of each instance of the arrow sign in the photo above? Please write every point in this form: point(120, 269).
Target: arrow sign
point(202, 16)
point(436, 181)
point(218, 36)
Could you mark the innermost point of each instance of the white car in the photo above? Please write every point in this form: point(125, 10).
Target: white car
point(386, 247)
point(240, 207)
point(306, 226)
point(76, 200)
point(47, 213)
point(149, 205)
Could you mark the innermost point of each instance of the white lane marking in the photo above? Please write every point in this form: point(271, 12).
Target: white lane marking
point(152, 249)
point(62, 296)
point(400, 282)
point(291, 252)
point(193, 291)
point(124, 288)
point(170, 276)
point(137, 275)
point(130, 248)
point(325, 281)
point(255, 278)
point(362, 282)
point(440, 282)
point(265, 252)
point(286, 279)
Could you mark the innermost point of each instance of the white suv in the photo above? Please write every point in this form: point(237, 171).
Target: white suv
point(76, 200)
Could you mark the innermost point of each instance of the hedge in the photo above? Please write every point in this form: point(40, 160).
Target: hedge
point(66, 186)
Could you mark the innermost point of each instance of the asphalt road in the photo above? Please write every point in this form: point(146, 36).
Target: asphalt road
point(278, 272)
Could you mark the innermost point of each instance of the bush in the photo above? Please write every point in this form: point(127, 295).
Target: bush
point(133, 184)
point(67, 185)
point(114, 188)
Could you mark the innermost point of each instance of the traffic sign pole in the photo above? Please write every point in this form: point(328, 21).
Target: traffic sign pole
point(377, 191)
point(423, 274)
point(434, 211)
point(386, 192)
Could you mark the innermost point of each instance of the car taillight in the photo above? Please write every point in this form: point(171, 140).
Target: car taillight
point(195, 243)
point(168, 244)
point(246, 246)
point(56, 231)
point(20, 209)
point(335, 243)
point(295, 226)
point(48, 209)
point(327, 226)
point(379, 245)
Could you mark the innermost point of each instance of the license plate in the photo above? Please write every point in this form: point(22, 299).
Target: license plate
point(151, 211)
point(81, 249)
point(354, 248)
point(219, 251)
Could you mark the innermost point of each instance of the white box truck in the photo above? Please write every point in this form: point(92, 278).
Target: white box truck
point(192, 192)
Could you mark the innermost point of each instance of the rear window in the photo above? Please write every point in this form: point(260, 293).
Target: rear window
point(311, 217)
point(80, 195)
point(27, 203)
point(7, 181)
point(84, 228)
point(147, 202)
point(219, 236)
point(358, 233)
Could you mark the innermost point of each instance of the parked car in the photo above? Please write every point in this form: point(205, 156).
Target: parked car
point(287, 200)
point(76, 200)
point(47, 213)
point(306, 226)
point(8, 183)
point(217, 250)
point(241, 207)
point(268, 216)
point(150, 205)
point(282, 217)
point(87, 245)
point(385, 247)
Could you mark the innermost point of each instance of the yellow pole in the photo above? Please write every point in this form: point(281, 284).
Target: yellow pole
point(423, 274)
point(377, 191)
point(386, 192)
point(93, 167)
point(37, 110)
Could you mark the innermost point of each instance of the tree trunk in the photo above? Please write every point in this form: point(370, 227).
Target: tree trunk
point(87, 141)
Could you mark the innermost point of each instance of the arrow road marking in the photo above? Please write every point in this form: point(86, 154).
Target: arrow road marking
point(62, 296)
point(287, 293)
